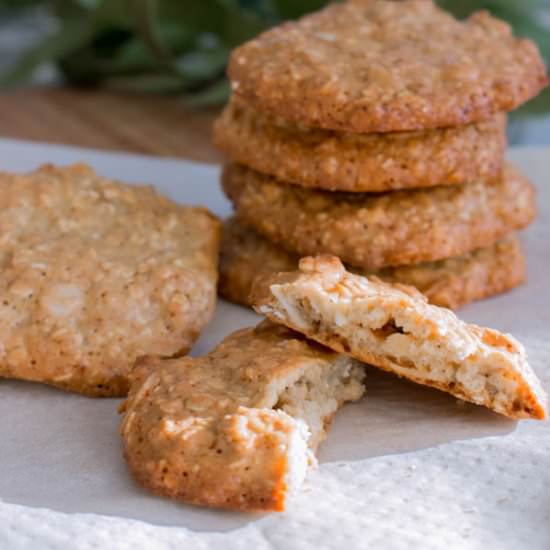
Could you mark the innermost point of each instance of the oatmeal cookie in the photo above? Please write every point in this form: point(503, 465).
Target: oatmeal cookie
point(372, 231)
point(394, 328)
point(95, 274)
point(381, 66)
point(236, 428)
point(341, 161)
point(450, 283)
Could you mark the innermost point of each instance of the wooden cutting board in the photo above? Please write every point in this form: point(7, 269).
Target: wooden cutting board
point(154, 125)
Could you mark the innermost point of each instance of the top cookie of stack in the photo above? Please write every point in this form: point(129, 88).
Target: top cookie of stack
point(371, 96)
point(307, 92)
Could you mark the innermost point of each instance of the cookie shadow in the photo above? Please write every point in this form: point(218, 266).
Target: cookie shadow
point(63, 451)
point(398, 416)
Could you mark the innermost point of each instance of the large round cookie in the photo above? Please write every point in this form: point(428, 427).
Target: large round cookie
point(96, 274)
point(376, 230)
point(449, 283)
point(379, 66)
point(342, 161)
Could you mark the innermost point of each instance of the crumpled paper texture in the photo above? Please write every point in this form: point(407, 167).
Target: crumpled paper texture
point(405, 467)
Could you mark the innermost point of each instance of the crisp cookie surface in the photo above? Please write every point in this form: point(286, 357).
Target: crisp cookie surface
point(237, 427)
point(372, 231)
point(379, 66)
point(394, 328)
point(342, 161)
point(451, 283)
point(95, 274)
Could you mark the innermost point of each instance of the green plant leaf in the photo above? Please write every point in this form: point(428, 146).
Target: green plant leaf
point(174, 45)
point(134, 55)
point(88, 66)
point(114, 13)
point(240, 26)
point(147, 83)
point(72, 35)
point(200, 16)
point(538, 106)
point(146, 24)
point(215, 94)
point(290, 9)
point(16, 6)
point(203, 65)
point(460, 9)
point(535, 31)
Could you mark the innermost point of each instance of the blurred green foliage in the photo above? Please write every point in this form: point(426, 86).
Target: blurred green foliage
point(178, 46)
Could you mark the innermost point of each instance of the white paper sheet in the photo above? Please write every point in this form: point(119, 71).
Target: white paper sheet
point(405, 466)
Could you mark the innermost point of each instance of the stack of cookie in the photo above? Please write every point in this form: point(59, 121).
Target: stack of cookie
point(375, 131)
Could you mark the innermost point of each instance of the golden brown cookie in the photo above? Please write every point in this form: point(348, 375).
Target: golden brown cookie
point(372, 231)
point(380, 66)
point(394, 328)
point(451, 283)
point(95, 274)
point(341, 161)
point(238, 427)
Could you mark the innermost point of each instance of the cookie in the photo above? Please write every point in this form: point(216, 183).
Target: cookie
point(397, 330)
point(342, 161)
point(372, 231)
point(236, 428)
point(95, 274)
point(381, 66)
point(448, 283)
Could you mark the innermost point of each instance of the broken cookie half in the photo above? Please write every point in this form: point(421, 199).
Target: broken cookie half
point(238, 427)
point(394, 328)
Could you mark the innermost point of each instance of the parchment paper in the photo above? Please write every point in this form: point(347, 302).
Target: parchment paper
point(406, 466)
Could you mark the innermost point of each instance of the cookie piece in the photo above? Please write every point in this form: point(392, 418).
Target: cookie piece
point(394, 328)
point(95, 274)
point(341, 161)
point(372, 231)
point(381, 66)
point(236, 428)
point(449, 283)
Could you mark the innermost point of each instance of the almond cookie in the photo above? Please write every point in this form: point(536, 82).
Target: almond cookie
point(95, 274)
point(394, 328)
point(341, 161)
point(238, 427)
point(449, 283)
point(372, 231)
point(381, 66)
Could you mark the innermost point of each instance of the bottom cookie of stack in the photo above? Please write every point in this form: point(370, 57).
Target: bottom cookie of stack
point(450, 283)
